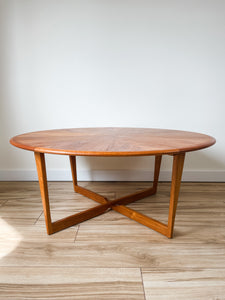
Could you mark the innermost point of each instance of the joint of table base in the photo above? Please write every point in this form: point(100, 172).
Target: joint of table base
point(105, 206)
point(119, 206)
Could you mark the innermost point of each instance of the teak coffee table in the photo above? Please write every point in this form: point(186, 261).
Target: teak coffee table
point(113, 142)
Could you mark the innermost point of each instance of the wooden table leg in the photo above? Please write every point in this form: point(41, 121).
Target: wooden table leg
point(178, 163)
point(79, 189)
point(73, 166)
point(69, 221)
point(167, 230)
point(42, 176)
point(158, 159)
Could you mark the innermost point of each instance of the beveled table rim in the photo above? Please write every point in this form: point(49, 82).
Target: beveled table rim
point(14, 141)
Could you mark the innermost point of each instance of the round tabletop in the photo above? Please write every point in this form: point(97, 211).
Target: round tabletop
point(112, 141)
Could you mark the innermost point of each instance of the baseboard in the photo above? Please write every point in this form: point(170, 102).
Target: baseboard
point(112, 175)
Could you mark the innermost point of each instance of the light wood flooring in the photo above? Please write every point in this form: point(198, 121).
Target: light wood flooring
point(111, 256)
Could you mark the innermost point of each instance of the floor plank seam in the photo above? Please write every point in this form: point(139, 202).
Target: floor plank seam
point(143, 287)
point(38, 218)
point(76, 234)
point(108, 267)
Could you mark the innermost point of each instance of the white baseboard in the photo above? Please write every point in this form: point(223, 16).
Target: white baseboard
point(112, 175)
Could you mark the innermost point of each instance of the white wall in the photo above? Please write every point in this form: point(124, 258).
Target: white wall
point(144, 63)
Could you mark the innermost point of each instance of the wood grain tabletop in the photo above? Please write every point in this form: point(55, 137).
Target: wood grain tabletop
point(112, 141)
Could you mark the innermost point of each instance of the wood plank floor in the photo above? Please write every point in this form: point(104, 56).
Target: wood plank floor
point(111, 256)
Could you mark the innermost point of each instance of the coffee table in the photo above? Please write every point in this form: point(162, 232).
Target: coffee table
point(113, 142)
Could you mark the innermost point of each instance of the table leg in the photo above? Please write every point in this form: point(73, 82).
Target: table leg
point(178, 163)
point(167, 230)
point(69, 221)
point(42, 176)
point(158, 160)
point(73, 166)
point(79, 189)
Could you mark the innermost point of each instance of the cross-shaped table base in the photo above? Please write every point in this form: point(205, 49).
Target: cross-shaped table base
point(119, 204)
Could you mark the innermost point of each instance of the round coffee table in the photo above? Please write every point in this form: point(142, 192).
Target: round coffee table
point(113, 142)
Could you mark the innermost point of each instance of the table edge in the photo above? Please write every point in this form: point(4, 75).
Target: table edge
point(125, 153)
